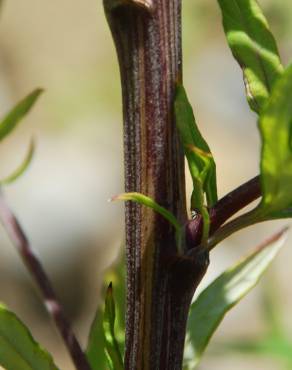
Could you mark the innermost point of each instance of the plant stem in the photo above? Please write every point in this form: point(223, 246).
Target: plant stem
point(37, 272)
point(160, 284)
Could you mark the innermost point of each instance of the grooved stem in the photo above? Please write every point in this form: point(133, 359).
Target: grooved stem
point(160, 284)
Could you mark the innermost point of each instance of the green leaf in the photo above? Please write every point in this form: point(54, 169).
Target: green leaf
point(200, 160)
point(95, 351)
point(117, 275)
point(149, 202)
point(18, 349)
point(253, 46)
point(22, 168)
point(226, 291)
point(111, 344)
point(275, 125)
point(10, 121)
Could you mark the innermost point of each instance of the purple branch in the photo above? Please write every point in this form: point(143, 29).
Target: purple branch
point(37, 272)
point(225, 208)
point(234, 201)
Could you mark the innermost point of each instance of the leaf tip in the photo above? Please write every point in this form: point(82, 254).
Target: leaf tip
point(117, 197)
point(279, 235)
point(37, 92)
point(110, 288)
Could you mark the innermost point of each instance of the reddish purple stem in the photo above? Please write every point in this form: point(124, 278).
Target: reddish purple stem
point(37, 272)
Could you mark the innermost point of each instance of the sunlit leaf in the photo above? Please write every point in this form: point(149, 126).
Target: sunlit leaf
point(111, 344)
point(200, 160)
point(22, 168)
point(10, 121)
point(18, 349)
point(275, 125)
point(226, 291)
point(253, 46)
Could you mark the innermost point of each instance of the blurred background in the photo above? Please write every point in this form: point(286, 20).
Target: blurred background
point(65, 47)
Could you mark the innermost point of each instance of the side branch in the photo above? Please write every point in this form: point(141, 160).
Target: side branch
point(225, 208)
point(20, 241)
point(234, 201)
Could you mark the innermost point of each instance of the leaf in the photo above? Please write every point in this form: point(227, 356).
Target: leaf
point(149, 202)
point(253, 46)
point(200, 160)
point(22, 168)
point(112, 347)
point(275, 126)
point(117, 275)
point(10, 121)
point(95, 351)
point(18, 349)
point(226, 291)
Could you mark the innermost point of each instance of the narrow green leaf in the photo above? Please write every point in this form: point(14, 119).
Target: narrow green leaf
point(111, 344)
point(226, 291)
point(10, 121)
point(22, 168)
point(275, 125)
point(18, 349)
point(117, 275)
point(149, 202)
point(200, 160)
point(253, 46)
point(95, 351)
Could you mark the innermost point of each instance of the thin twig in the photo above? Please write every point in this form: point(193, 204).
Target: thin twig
point(37, 272)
